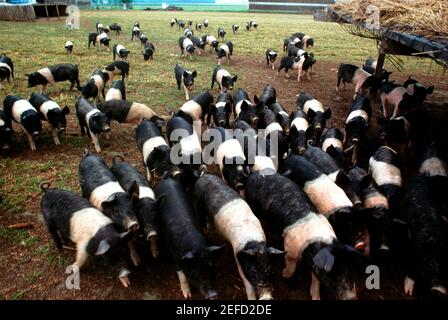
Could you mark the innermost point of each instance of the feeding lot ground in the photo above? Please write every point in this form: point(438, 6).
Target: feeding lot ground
point(30, 266)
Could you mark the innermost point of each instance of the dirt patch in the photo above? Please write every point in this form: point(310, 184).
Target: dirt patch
point(35, 270)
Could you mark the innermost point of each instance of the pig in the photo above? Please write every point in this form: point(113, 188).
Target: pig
point(271, 56)
point(253, 25)
point(116, 91)
point(293, 51)
point(244, 109)
point(330, 200)
point(418, 91)
point(92, 39)
point(53, 74)
point(308, 237)
point(306, 40)
point(99, 27)
point(95, 85)
point(102, 40)
point(198, 26)
point(300, 132)
point(395, 133)
point(235, 222)
point(210, 41)
point(384, 165)
point(427, 259)
point(119, 67)
point(5, 131)
point(430, 163)
point(186, 46)
point(173, 22)
point(155, 151)
point(69, 217)
point(143, 40)
point(186, 78)
point(198, 43)
point(225, 50)
point(23, 113)
point(181, 24)
point(295, 41)
point(357, 124)
point(221, 33)
point(268, 95)
point(120, 51)
point(135, 33)
point(137, 24)
point(206, 23)
point(68, 47)
point(194, 110)
point(379, 222)
point(281, 116)
point(272, 129)
point(190, 23)
point(6, 69)
point(115, 27)
point(223, 78)
point(93, 119)
point(193, 259)
point(370, 65)
point(188, 33)
point(235, 28)
point(398, 96)
point(332, 140)
point(101, 188)
point(146, 206)
point(316, 114)
point(231, 160)
point(148, 51)
point(302, 63)
point(126, 111)
point(50, 111)
point(221, 111)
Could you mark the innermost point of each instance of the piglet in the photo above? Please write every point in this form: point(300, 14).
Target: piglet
point(53, 74)
point(271, 56)
point(192, 257)
point(117, 91)
point(6, 69)
point(120, 51)
point(70, 217)
point(95, 85)
point(23, 113)
point(119, 67)
point(186, 78)
point(221, 111)
point(244, 109)
point(51, 112)
point(148, 51)
point(316, 114)
point(186, 46)
point(225, 50)
point(126, 111)
point(235, 221)
point(357, 123)
point(300, 132)
point(223, 78)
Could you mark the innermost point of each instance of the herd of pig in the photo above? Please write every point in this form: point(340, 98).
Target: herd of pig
point(335, 196)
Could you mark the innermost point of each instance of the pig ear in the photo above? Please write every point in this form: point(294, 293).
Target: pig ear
point(275, 252)
point(235, 78)
point(249, 252)
point(324, 259)
point(127, 51)
point(311, 113)
point(134, 190)
point(430, 90)
point(332, 151)
point(228, 107)
point(66, 110)
point(309, 131)
point(109, 201)
point(256, 99)
point(244, 106)
point(327, 113)
point(103, 247)
point(342, 179)
point(194, 74)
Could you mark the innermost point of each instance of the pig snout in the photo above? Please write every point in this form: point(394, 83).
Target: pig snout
point(36, 134)
point(123, 276)
point(106, 129)
point(265, 292)
point(302, 150)
point(255, 120)
point(132, 225)
point(239, 186)
point(222, 123)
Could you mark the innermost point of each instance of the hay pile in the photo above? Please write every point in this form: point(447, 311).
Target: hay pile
point(427, 18)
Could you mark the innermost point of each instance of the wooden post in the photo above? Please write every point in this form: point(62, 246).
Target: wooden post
point(46, 10)
point(381, 58)
point(57, 10)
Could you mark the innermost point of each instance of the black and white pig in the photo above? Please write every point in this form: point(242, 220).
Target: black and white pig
point(293, 51)
point(120, 51)
point(68, 46)
point(303, 63)
point(23, 113)
point(271, 56)
point(235, 222)
point(102, 40)
point(148, 51)
point(252, 25)
point(69, 217)
point(186, 46)
point(115, 68)
point(211, 41)
point(315, 112)
point(5, 130)
point(273, 131)
point(398, 96)
point(223, 78)
point(194, 110)
point(281, 116)
point(300, 132)
point(295, 41)
point(188, 33)
point(308, 237)
point(143, 40)
point(115, 27)
point(357, 124)
point(198, 26)
point(173, 22)
point(101, 188)
point(221, 111)
point(199, 44)
point(221, 33)
point(384, 166)
point(135, 33)
point(186, 78)
point(418, 91)
point(332, 142)
point(126, 111)
point(430, 162)
point(244, 109)
point(146, 206)
point(93, 119)
point(92, 39)
point(305, 39)
point(99, 27)
point(225, 50)
point(95, 85)
point(6, 69)
point(51, 112)
point(268, 95)
point(206, 23)
point(117, 91)
point(53, 74)
point(193, 259)
point(181, 24)
point(330, 200)
point(427, 259)
point(235, 28)
point(155, 151)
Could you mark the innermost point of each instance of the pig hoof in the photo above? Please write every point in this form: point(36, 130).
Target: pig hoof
point(125, 282)
point(136, 260)
point(186, 293)
point(408, 286)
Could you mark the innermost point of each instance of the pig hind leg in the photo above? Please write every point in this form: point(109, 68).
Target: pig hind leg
point(53, 232)
point(315, 287)
point(81, 256)
point(133, 253)
point(30, 139)
point(290, 266)
point(184, 285)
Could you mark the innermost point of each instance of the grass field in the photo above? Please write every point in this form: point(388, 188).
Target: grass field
point(29, 265)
